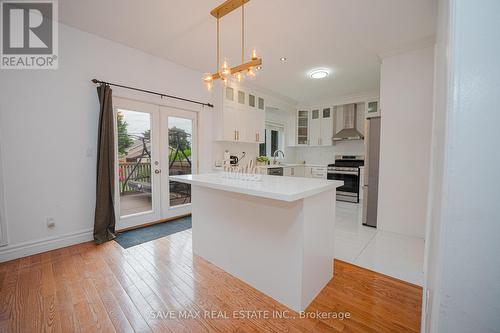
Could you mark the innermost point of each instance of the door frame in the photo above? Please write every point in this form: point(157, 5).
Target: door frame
point(161, 209)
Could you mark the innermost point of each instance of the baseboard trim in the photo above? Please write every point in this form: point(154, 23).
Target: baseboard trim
point(25, 249)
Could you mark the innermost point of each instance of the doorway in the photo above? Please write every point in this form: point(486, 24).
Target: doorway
point(152, 143)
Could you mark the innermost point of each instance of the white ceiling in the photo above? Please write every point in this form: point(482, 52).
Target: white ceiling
point(343, 35)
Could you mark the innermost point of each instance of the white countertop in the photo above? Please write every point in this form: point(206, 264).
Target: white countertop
point(271, 187)
point(290, 165)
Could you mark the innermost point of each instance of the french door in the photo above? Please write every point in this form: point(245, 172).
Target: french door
point(152, 142)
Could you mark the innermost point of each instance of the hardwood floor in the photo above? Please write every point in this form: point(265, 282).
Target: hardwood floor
point(89, 288)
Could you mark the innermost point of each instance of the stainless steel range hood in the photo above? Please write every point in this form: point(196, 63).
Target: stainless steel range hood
point(348, 130)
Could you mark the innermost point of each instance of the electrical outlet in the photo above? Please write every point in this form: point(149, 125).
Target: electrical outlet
point(51, 222)
point(89, 152)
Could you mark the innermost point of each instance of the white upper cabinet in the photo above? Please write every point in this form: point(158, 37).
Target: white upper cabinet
point(326, 126)
point(315, 127)
point(372, 109)
point(240, 115)
point(321, 126)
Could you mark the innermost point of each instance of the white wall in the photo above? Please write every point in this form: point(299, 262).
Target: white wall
point(406, 100)
point(49, 134)
point(463, 257)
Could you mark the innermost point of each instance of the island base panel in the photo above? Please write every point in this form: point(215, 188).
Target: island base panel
point(283, 249)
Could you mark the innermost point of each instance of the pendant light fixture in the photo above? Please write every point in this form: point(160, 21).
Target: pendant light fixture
point(224, 71)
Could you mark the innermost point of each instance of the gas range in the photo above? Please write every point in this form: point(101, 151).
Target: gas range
point(346, 169)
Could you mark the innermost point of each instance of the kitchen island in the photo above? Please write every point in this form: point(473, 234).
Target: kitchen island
point(275, 234)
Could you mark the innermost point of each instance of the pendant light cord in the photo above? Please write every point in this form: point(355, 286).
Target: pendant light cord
point(218, 46)
point(243, 33)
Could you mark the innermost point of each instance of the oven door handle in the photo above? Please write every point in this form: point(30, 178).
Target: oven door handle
point(353, 173)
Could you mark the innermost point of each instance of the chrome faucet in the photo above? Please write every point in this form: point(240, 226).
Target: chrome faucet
point(276, 153)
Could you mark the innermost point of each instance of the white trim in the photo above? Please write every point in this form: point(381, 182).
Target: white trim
point(45, 244)
point(4, 231)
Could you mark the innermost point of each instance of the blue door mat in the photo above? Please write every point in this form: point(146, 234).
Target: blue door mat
point(142, 235)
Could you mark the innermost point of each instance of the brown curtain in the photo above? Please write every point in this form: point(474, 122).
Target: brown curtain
point(104, 220)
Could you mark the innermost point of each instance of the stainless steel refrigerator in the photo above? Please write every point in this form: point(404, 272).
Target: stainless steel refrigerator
point(370, 178)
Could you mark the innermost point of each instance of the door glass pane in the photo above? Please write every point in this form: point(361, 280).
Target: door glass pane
point(251, 100)
point(134, 162)
point(326, 113)
point(230, 93)
point(261, 103)
point(241, 97)
point(180, 144)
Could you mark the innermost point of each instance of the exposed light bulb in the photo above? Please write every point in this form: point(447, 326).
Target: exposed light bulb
point(251, 73)
point(226, 71)
point(208, 79)
point(254, 54)
point(239, 77)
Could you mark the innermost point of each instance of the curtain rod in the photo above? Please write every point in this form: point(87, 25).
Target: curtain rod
point(152, 92)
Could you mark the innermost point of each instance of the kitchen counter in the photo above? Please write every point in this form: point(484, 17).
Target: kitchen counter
point(271, 187)
point(290, 165)
point(276, 234)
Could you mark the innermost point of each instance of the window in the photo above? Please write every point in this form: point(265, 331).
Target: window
point(274, 140)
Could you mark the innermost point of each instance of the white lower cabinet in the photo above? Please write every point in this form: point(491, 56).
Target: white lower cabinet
point(308, 172)
point(319, 172)
point(295, 171)
point(301, 171)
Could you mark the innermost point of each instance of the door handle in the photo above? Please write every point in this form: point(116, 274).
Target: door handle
point(157, 171)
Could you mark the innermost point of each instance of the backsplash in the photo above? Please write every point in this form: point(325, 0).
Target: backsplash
point(326, 155)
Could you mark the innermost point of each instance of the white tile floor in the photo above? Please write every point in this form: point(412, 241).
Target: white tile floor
point(384, 252)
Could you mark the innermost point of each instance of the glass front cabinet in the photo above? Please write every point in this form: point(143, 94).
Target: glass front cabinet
point(302, 127)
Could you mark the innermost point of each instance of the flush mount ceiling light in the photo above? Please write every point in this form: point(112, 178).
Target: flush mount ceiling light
point(319, 73)
point(225, 71)
point(283, 59)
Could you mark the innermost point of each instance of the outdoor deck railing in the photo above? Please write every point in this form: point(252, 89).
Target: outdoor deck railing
point(143, 173)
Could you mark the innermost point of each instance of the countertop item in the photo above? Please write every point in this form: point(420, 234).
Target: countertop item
point(271, 187)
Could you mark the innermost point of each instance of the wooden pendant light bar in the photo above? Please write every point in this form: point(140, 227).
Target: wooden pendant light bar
point(227, 7)
point(241, 68)
point(219, 12)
